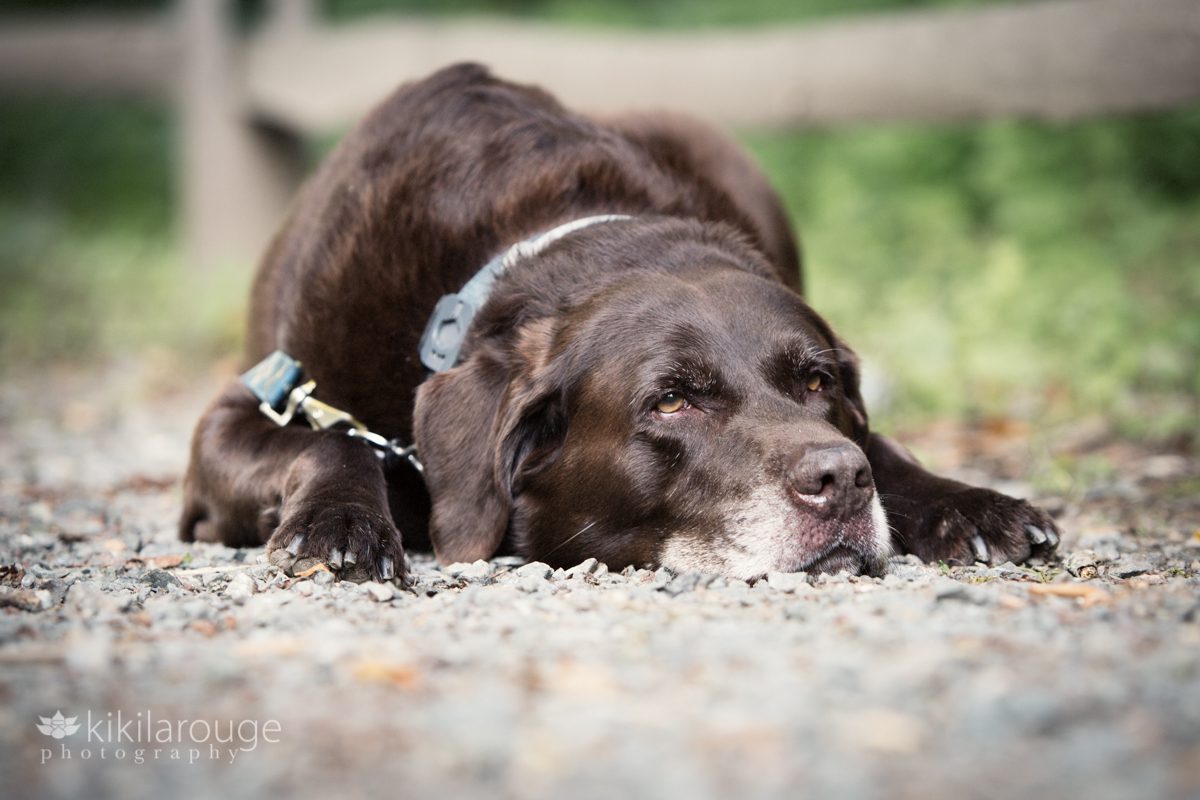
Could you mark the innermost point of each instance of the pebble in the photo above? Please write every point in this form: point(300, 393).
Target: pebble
point(686, 582)
point(240, 587)
point(1129, 566)
point(160, 579)
point(476, 570)
point(534, 570)
point(586, 567)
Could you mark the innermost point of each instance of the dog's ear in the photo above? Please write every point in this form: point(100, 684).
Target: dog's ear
point(853, 407)
point(481, 429)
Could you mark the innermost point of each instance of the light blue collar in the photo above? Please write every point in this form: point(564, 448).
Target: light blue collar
point(442, 342)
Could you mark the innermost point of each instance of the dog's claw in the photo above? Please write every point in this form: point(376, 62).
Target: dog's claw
point(1036, 534)
point(295, 544)
point(1052, 537)
point(980, 548)
point(387, 568)
point(351, 558)
point(335, 558)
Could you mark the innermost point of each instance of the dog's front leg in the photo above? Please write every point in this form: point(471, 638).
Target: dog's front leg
point(311, 496)
point(939, 519)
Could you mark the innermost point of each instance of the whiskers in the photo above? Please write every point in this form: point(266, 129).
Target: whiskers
point(572, 537)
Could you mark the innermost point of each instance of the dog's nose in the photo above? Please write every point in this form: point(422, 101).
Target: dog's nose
point(835, 477)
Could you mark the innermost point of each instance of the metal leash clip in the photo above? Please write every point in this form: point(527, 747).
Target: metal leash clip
point(274, 382)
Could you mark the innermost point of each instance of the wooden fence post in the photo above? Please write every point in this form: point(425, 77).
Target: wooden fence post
point(238, 174)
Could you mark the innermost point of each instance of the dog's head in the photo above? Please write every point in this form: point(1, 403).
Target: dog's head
point(679, 407)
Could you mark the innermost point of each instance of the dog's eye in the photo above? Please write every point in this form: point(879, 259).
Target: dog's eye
point(815, 382)
point(670, 403)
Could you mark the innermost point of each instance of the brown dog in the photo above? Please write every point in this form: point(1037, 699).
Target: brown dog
point(646, 389)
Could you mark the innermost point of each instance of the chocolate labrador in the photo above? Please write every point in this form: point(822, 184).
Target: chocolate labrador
point(593, 334)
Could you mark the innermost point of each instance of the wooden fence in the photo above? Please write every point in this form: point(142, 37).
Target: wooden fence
point(246, 103)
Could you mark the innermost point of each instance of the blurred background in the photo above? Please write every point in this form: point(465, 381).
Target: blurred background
point(999, 202)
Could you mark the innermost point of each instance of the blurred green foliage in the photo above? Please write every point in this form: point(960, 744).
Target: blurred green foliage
point(639, 13)
point(89, 262)
point(1009, 268)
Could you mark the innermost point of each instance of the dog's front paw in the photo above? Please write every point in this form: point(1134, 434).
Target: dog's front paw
point(355, 541)
point(972, 524)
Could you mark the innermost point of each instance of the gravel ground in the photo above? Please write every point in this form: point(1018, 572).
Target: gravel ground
point(1079, 678)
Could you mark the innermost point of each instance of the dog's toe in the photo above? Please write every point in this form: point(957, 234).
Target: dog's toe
point(355, 542)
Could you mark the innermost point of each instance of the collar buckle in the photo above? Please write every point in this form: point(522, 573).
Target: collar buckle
point(442, 341)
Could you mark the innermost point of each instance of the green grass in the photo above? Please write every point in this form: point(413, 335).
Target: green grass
point(89, 261)
point(1009, 268)
point(679, 14)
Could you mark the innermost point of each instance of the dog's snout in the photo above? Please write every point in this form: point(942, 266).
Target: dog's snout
point(836, 477)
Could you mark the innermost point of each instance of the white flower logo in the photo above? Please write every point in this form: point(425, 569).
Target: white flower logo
point(58, 726)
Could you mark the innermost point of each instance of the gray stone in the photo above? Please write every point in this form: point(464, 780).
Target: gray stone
point(661, 577)
point(57, 589)
point(474, 571)
point(160, 579)
point(583, 568)
point(534, 569)
point(687, 582)
point(1129, 567)
point(240, 587)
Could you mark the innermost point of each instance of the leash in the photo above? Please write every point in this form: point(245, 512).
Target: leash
point(278, 380)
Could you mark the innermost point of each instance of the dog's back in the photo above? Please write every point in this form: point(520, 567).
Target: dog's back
point(435, 181)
